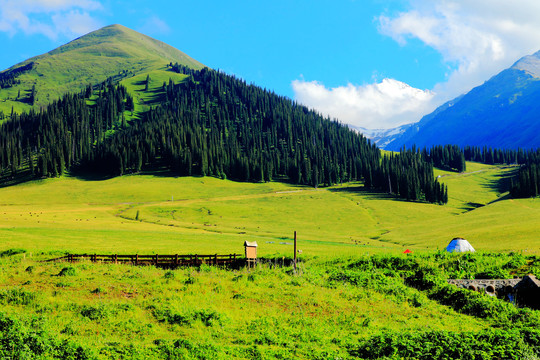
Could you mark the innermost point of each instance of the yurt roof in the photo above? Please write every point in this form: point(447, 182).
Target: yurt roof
point(459, 245)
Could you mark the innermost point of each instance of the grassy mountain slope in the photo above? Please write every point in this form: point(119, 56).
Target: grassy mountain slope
point(90, 59)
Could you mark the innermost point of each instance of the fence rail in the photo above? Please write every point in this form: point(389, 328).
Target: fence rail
point(175, 260)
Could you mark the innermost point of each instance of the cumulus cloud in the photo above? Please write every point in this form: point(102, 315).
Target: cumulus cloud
point(52, 18)
point(477, 39)
point(387, 104)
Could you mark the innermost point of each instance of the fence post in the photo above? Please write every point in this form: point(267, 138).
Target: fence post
point(157, 259)
point(215, 260)
point(176, 259)
point(295, 251)
point(136, 259)
point(116, 258)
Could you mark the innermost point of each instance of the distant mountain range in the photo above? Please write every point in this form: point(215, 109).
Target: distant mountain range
point(504, 112)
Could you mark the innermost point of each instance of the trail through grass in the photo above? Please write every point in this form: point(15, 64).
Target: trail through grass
point(208, 215)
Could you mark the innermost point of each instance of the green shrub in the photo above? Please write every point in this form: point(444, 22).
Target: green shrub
point(207, 317)
point(492, 273)
point(11, 252)
point(17, 297)
point(68, 271)
point(169, 275)
point(515, 262)
point(20, 341)
point(94, 312)
point(488, 344)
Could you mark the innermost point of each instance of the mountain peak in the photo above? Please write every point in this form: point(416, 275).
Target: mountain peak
point(530, 64)
point(89, 59)
point(118, 41)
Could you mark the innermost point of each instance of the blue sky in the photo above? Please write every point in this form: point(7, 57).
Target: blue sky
point(370, 63)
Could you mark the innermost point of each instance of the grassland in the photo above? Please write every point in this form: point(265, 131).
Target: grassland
point(159, 213)
point(327, 310)
point(354, 292)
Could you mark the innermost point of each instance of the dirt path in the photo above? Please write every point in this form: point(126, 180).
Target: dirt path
point(181, 202)
point(463, 174)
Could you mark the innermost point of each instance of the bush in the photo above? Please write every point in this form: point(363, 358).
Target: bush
point(19, 341)
point(488, 344)
point(67, 271)
point(169, 275)
point(94, 312)
point(11, 252)
point(17, 297)
point(207, 317)
point(493, 273)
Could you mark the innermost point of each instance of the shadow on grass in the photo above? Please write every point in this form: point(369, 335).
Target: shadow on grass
point(470, 206)
point(139, 83)
point(156, 97)
point(92, 175)
point(19, 178)
point(371, 194)
point(502, 182)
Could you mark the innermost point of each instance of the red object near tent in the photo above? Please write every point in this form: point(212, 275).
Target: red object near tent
point(407, 251)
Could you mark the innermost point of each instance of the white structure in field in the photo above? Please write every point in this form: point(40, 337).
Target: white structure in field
point(459, 245)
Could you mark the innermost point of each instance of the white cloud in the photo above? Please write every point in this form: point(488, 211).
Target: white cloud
point(387, 104)
point(477, 39)
point(52, 18)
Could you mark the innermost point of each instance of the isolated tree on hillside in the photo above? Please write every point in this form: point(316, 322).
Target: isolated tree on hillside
point(147, 82)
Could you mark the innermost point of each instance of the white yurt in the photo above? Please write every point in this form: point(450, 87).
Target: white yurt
point(459, 245)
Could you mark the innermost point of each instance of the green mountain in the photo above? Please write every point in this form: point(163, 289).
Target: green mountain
point(113, 51)
point(153, 115)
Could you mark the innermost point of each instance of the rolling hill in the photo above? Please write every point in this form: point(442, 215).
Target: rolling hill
point(113, 51)
point(502, 113)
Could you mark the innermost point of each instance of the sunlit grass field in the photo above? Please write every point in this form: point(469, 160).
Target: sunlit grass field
point(353, 287)
point(155, 213)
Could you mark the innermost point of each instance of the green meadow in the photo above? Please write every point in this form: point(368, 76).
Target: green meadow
point(159, 213)
point(354, 295)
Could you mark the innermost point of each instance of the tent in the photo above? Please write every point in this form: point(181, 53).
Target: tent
point(407, 251)
point(459, 245)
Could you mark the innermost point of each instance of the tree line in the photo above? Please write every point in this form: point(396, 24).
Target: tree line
point(9, 78)
point(526, 182)
point(446, 157)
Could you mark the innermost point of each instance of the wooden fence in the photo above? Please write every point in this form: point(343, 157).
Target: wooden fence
point(175, 260)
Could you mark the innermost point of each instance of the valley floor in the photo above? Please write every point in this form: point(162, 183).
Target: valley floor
point(354, 296)
point(160, 214)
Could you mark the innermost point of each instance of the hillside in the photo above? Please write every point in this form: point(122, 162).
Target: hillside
point(113, 51)
point(502, 113)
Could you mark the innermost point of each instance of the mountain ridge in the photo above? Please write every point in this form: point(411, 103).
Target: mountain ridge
point(500, 113)
point(89, 59)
